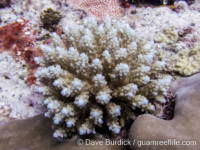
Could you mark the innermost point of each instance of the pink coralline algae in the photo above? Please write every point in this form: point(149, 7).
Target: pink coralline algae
point(99, 8)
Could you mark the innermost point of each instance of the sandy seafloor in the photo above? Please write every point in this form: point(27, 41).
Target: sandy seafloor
point(18, 100)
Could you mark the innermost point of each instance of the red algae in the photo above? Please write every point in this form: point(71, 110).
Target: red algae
point(29, 55)
point(9, 34)
point(14, 39)
point(21, 45)
point(125, 4)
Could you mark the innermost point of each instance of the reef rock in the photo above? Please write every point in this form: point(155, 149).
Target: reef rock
point(36, 134)
point(182, 132)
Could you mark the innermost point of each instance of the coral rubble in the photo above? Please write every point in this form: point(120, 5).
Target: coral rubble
point(185, 46)
point(17, 100)
point(152, 20)
point(5, 111)
point(102, 75)
point(168, 35)
point(187, 60)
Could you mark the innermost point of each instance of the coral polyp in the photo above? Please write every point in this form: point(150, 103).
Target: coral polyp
point(103, 74)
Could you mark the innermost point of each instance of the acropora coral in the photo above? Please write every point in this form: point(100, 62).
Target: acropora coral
point(103, 74)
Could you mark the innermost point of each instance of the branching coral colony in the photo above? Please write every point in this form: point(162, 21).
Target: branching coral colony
point(107, 72)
